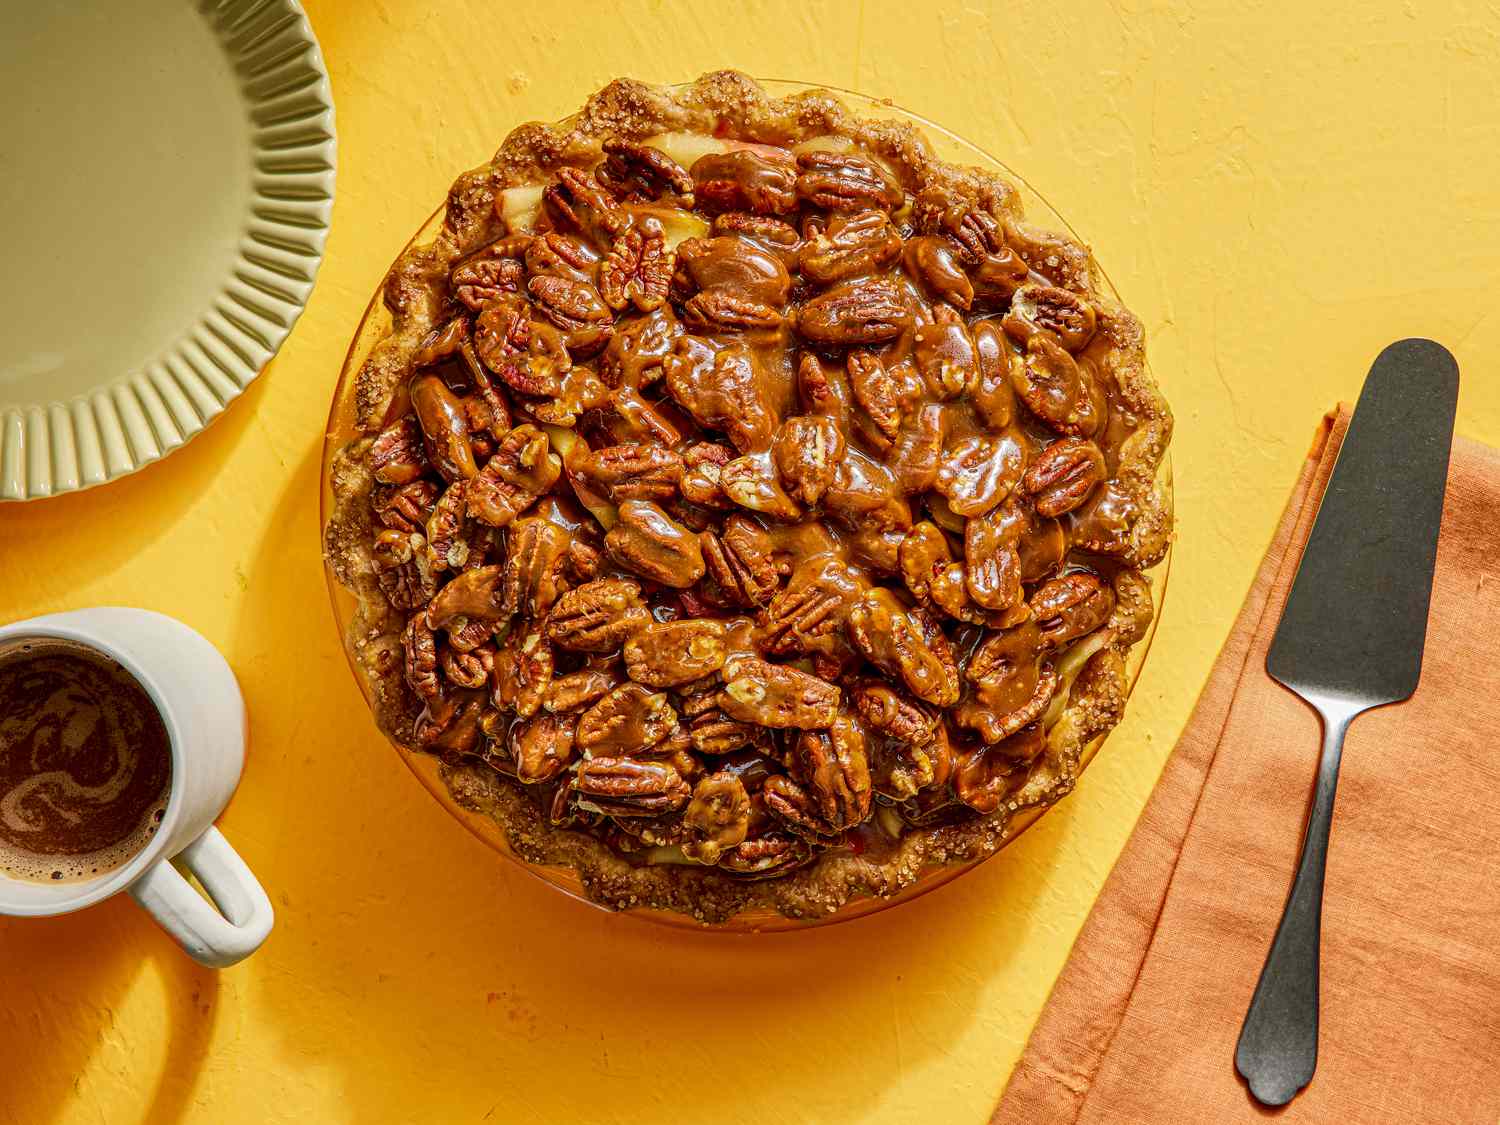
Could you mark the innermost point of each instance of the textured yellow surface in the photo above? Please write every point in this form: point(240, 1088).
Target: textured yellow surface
point(1276, 197)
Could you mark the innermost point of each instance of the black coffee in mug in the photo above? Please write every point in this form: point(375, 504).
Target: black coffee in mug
point(85, 762)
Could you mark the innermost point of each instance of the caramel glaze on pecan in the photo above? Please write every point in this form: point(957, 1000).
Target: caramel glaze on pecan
point(733, 503)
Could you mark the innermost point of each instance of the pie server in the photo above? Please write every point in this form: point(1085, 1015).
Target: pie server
point(1350, 639)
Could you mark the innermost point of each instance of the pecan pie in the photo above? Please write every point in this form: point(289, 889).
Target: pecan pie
point(751, 509)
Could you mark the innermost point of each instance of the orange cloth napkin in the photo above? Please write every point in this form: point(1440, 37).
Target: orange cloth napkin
point(1142, 1024)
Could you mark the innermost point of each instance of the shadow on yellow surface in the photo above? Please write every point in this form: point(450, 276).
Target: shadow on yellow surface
point(64, 981)
point(140, 508)
point(515, 978)
point(57, 973)
point(193, 994)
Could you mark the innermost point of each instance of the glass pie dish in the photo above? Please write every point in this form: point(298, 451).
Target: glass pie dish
point(429, 768)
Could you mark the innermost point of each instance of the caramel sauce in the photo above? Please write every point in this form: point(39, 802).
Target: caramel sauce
point(932, 427)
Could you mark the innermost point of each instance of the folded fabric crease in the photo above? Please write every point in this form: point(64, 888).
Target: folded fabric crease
point(1142, 1022)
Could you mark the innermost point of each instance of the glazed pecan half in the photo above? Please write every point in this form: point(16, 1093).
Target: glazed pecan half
point(638, 270)
point(907, 643)
point(675, 653)
point(717, 817)
point(648, 542)
point(833, 767)
point(630, 720)
point(635, 173)
point(841, 181)
point(629, 787)
point(598, 616)
point(774, 695)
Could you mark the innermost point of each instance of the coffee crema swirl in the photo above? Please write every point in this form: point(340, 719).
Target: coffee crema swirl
point(85, 762)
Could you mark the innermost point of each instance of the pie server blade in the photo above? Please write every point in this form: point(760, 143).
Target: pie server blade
point(1351, 638)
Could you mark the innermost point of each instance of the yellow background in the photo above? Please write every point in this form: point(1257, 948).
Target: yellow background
point(1276, 194)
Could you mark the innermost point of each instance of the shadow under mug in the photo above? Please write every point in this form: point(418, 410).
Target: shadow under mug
point(204, 712)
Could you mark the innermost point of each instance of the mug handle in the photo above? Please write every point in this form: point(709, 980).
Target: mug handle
point(219, 938)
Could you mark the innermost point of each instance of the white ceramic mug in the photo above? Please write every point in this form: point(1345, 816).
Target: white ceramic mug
point(204, 713)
